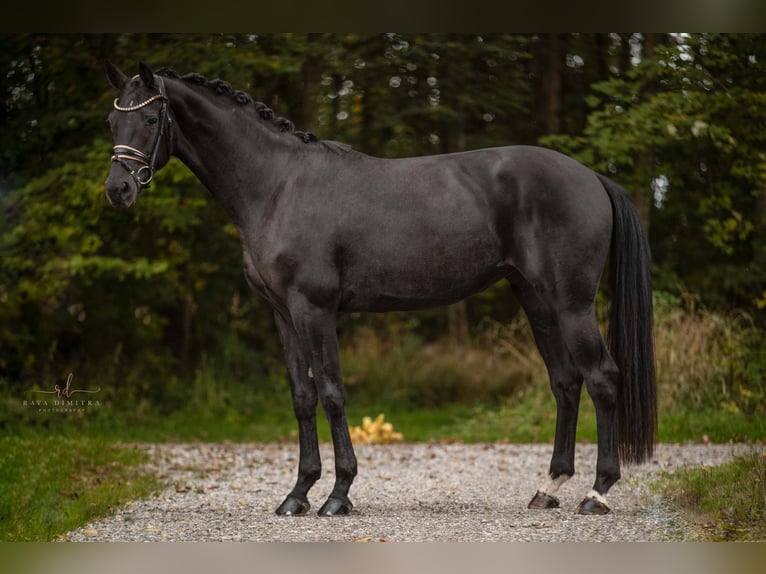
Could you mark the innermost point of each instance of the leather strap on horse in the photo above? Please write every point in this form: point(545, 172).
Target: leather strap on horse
point(121, 153)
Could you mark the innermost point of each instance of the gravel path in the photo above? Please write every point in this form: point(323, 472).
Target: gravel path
point(404, 492)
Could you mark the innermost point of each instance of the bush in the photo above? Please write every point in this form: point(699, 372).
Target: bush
point(394, 366)
point(708, 360)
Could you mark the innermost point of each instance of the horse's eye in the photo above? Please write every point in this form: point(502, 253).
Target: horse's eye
point(152, 121)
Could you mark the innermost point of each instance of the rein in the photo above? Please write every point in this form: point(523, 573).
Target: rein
point(120, 153)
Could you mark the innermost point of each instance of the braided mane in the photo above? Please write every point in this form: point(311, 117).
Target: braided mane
point(223, 88)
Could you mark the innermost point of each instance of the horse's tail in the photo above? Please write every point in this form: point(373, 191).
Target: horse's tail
point(630, 329)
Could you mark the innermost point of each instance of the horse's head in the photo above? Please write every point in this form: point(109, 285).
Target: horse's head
point(140, 123)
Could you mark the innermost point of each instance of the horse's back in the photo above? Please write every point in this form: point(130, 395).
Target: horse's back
point(505, 181)
point(523, 201)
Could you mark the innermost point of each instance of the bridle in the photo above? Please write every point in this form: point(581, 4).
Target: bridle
point(144, 174)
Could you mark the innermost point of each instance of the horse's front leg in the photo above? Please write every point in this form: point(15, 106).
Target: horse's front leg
point(305, 405)
point(316, 329)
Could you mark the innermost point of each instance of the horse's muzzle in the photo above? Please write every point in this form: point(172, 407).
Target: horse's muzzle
point(121, 192)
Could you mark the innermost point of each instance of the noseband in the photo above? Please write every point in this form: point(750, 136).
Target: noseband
point(144, 174)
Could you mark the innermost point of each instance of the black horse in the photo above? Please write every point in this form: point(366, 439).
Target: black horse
point(325, 229)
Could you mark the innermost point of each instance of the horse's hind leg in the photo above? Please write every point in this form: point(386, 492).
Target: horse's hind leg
point(588, 350)
point(566, 384)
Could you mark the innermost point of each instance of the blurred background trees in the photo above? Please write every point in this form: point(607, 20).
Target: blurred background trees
point(144, 299)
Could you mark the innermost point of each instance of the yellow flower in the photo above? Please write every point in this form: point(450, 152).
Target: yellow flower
point(374, 431)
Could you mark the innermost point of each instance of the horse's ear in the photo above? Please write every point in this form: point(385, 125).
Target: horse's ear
point(116, 77)
point(146, 75)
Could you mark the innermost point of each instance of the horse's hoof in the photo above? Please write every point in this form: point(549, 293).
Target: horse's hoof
point(335, 507)
point(592, 506)
point(293, 506)
point(543, 500)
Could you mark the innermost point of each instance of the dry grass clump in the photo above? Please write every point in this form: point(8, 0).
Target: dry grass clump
point(707, 359)
point(496, 363)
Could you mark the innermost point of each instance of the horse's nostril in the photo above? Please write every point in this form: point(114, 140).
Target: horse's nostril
point(119, 191)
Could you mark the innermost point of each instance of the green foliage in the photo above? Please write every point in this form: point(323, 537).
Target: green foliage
point(51, 89)
point(682, 131)
point(89, 290)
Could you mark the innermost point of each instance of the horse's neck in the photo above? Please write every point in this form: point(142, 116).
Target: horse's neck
point(235, 163)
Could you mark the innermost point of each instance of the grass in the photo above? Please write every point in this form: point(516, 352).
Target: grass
point(727, 501)
point(50, 484)
point(714, 425)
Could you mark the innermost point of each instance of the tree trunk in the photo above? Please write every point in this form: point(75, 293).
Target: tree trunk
point(759, 247)
point(453, 140)
point(625, 54)
point(552, 80)
point(644, 164)
point(311, 73)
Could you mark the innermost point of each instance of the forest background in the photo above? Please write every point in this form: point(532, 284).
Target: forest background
point(150, 307)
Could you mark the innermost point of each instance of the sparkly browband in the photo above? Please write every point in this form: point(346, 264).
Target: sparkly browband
point(154, 98)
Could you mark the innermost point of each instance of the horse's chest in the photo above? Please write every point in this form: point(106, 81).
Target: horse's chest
point(268, 274)
point(253, 274)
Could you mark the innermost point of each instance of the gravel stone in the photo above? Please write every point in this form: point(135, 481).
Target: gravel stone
point(404, 492)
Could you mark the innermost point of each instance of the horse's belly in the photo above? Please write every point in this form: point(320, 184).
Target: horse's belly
point(426, 249)
point(427, 283)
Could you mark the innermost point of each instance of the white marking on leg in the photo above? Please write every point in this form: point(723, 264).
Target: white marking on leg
point(598, 497)
point(311, 373)
point(552, 485)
